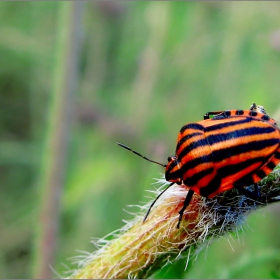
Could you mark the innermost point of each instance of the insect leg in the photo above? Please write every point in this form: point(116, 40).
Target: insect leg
point(207, 115)
point(253, 195)
point(186, 203)
point(257, 190)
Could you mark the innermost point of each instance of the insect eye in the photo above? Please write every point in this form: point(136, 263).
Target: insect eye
point(172, 159)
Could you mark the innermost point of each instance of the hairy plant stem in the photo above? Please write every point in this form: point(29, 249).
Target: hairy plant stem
point(140, 249)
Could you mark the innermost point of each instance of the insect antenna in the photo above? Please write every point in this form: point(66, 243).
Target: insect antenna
point(136, 153)
point(149, 210)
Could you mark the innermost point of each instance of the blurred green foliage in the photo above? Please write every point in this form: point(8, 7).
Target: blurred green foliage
point(146, 69)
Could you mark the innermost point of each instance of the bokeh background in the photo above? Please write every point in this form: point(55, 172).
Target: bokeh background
point(76, 77)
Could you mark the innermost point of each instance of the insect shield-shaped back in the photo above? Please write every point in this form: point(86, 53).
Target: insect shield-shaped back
point(232, 149)
point(173, 170)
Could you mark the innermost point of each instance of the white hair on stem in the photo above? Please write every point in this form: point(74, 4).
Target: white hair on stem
point(138, 249)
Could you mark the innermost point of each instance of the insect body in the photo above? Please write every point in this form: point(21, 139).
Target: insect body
point(231, 150)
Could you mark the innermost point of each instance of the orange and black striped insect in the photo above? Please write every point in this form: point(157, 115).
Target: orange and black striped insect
point(233, 149)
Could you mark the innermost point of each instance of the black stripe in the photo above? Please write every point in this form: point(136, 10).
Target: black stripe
point(226, 124)
point(228, 170)
point(213, 139)
point(195, 162)
point(173, 175)
point(260, 173)
point(211, 187)
point(265, 118)
point(248, 180)
point(192, 126)
point(277, 155)
point(271, 165)
point(191, 146)
point(198, 176)
point(171, 166)
point(244, 181)
point(239, 112)
point(222, 154)
point(253, 113)
point(186, 137)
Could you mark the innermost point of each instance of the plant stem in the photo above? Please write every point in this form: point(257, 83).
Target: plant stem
point(56, 146)
point(140, 249)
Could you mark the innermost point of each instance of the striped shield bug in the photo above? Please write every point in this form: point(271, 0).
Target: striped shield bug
point(233, 149)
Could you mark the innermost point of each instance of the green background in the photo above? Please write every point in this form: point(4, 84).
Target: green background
point(144, 70)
